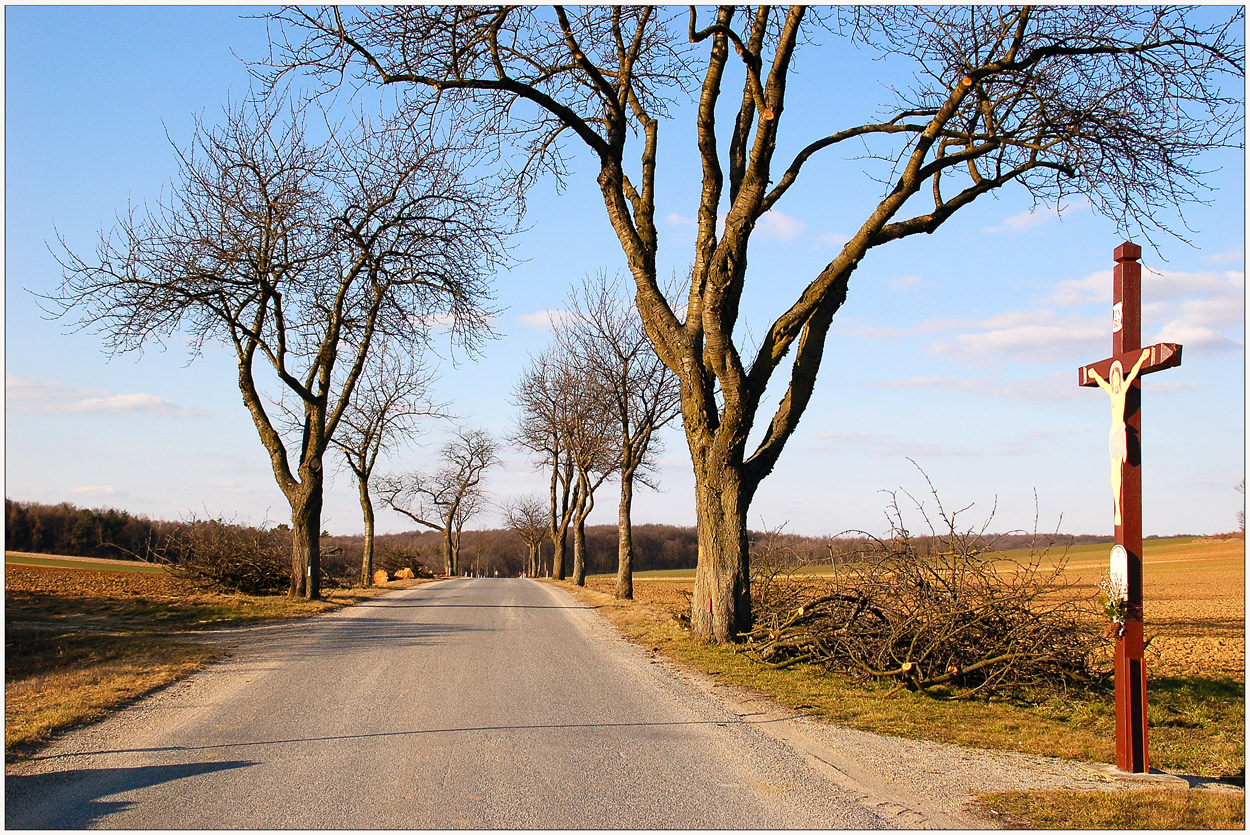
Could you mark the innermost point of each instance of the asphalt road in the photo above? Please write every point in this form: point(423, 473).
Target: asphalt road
point(468, 703)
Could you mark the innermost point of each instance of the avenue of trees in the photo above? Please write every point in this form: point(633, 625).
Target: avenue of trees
point(306, 258)
point(1111, 103)
point(326, 256)
point(590, 406)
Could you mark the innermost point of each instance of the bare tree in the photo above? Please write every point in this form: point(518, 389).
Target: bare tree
point(606, 343)
point(540, 397)
point(526, 516)
point(301, 257)
point(445, 500)
point(393, 393)
point(569, 427)
point(1114, 103)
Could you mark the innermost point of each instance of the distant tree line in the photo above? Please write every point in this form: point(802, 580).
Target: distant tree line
point(79, 532)
point(117, 534)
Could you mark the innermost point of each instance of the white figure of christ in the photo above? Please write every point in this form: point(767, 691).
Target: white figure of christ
point(1117, 388)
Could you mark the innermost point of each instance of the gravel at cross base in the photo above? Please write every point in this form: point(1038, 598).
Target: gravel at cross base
point(486, 704)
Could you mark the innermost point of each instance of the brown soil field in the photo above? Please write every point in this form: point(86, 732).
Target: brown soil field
point(1194, 606)
point(1195, 603)
point(29, 579)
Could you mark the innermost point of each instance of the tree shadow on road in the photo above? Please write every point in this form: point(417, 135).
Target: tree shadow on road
point(74, 799)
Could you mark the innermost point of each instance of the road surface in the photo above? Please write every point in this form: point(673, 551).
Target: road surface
point(467, 703)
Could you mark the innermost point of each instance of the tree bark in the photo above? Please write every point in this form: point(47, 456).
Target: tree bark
point(585, 503)
point(366, 507)
point(579, 552)
point(306, 540)
point(721, 605)
point(449, 556)
point(625, 541)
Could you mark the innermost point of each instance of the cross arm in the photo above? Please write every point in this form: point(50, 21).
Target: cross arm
point(1162, 355)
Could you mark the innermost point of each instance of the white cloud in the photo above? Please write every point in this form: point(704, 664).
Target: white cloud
point(1225, 257)
point(545, 320)
point(832, 239)
point(1033, 218)
point(904, 282)
point(892, 446)
point(98, 490)
point(1027, 336)
point(1053, 387)
point(772, 225)
point(1023, 221)
point(778, 226)
point(27, 396)
point(1157, 285)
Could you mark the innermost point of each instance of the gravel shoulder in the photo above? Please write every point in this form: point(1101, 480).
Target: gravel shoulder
point(916, 784)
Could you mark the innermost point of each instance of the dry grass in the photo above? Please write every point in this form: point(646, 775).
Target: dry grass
point(84, 639)
point(1197, 707)
point(1137, 809)
point(1197, 723)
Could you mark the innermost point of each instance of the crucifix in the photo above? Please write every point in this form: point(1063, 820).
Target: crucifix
point(1120, 377)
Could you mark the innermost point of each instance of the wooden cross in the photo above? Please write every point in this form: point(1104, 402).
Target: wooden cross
point(1120, 376)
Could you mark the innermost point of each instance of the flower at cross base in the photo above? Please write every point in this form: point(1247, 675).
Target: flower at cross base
point(1114, 601)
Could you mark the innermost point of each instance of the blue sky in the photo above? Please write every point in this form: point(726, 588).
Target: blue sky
point(958, 350)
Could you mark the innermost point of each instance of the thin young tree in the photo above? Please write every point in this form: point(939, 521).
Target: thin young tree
point(1112, 103)
point(447, 498)
point(300, 257)
point(541, 397)
point(594, 448)
point(394, 393)
point(605, 341)
point(526, 516)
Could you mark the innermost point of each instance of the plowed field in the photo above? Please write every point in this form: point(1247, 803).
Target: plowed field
point(1195, 602)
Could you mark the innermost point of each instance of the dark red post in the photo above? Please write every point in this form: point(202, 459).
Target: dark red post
point(1130, 663)
point(1126, 350)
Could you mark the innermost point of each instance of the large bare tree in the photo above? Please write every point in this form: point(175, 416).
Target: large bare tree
point(301, 257)
point(393, 393)
point(604, 341)
point(1115, 103)
point(445, 500)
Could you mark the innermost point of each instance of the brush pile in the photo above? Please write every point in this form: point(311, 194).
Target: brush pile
point(938, 614)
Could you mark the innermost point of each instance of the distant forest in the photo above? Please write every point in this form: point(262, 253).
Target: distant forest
point(116, 534)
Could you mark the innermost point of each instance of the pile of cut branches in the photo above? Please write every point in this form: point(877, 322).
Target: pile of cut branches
point(938, 614)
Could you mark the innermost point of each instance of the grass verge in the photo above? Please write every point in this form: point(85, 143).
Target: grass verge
point(81, 643)
point(1134, 809)
point(1197, 724)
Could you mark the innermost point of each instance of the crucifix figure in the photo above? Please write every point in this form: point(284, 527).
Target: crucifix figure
point(1125, 451)
point(1117, 387)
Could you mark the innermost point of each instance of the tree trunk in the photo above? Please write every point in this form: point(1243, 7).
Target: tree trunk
point(625, 541)
point(579, 550)
point(306, 540)
point(449, 556)
point(366, 563)
point(721, 606)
